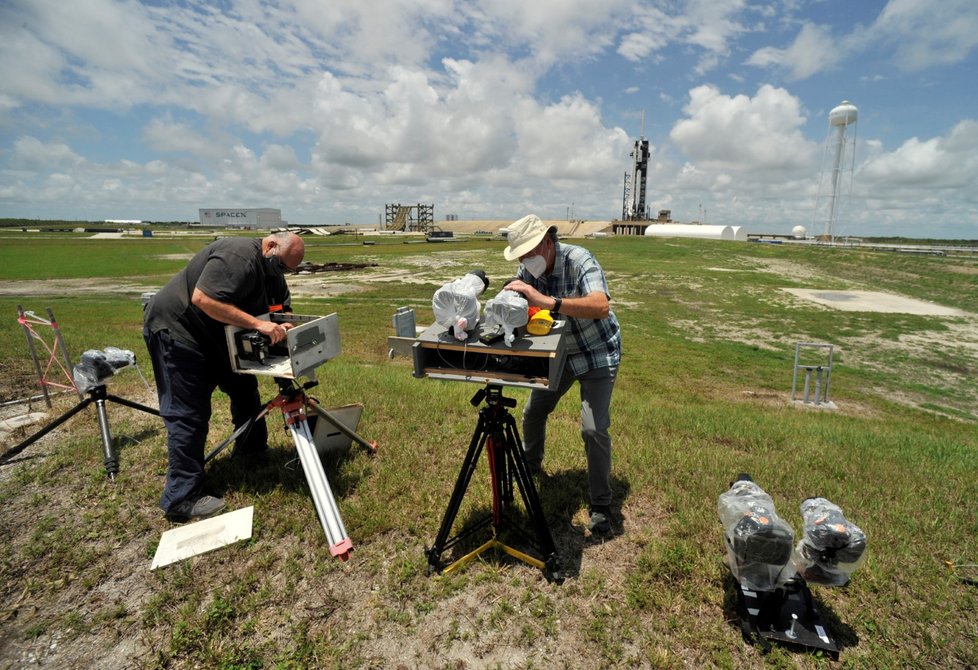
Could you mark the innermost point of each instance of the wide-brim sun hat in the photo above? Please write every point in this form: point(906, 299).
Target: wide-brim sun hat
point(523, 236)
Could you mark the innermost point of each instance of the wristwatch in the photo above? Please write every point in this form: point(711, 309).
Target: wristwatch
point(556, 308)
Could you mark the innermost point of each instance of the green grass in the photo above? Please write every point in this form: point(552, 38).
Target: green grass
point(703, 394)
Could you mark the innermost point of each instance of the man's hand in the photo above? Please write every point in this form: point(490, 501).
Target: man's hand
point(276, 332)
point(533, 297)
point(594, 305)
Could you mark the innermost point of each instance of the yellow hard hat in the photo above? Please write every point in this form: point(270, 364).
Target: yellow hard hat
point(540, 323)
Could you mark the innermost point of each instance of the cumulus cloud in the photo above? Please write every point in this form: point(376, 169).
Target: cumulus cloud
point(949, 162)
point(750, 134)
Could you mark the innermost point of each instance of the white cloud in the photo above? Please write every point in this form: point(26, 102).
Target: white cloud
point(925, 34)
point(709, 25)
point(171, 137)
point(813, 50)
point(713, 25)
point(918, 33)
point(949, 162)
point(31, 154)
point(566, 141)
point(751, 135)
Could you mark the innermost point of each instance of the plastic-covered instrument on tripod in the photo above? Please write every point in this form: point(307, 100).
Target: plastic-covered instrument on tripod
point(456, 304)
point(832, 546)
point(97, 366)
point(759, 542)
point(509, 311)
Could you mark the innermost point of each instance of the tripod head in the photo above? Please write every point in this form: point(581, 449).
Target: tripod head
point(493, 395)
point(287, 386)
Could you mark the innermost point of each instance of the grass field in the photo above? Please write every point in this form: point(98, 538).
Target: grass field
point(703, 394)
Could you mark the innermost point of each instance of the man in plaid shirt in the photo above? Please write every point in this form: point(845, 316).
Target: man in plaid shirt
point(568, 281)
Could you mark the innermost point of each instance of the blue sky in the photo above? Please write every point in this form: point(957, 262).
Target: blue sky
point(490, 109)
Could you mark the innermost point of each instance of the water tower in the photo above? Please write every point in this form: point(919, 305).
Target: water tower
point(834, 184)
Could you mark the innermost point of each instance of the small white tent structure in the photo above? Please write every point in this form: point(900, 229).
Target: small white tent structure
point(738, 233)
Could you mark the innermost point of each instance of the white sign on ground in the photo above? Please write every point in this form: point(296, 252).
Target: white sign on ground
point(203, 536)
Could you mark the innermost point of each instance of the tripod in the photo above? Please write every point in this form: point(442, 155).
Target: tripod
point(294, 403)
point(99, 396)
point(496, 431)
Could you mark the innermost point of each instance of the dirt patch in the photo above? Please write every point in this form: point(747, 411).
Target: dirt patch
point(61, 287)
point(17, 380)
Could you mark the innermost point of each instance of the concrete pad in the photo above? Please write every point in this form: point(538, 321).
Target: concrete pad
point(873, 301)
point(203, 536)
point(11, 423)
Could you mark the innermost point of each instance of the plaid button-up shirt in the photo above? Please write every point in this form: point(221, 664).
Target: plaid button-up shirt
point(592, 343)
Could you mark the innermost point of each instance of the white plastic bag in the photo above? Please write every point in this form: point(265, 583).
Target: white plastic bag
point(832, 546)
point(759, 542)
point(508, 310)
point(456, 304)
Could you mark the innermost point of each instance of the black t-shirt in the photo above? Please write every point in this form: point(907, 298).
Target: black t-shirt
point(229, 270)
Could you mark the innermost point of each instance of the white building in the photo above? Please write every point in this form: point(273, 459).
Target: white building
point(264, 217)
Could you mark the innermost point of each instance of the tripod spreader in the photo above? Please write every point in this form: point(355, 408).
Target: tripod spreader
point(496, 432)
point(99, 396)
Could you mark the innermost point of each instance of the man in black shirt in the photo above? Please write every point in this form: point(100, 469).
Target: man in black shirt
point(230, 282)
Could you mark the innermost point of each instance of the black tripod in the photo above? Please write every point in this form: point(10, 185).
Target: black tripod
point(496, 431)
point(99, 396)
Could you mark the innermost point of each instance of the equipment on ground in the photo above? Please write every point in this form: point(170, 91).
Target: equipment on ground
point(773, 598)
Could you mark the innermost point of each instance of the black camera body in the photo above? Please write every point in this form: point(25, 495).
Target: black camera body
point(252, 345)
point(308, 343)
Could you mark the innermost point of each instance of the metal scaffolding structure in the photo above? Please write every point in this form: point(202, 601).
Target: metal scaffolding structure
point(409, 218)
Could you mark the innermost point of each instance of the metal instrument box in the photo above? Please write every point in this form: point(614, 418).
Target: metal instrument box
point(533, 361)
point(310, 343)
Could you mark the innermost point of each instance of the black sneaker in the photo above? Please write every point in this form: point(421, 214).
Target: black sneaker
point(198, 508)
point(600, 523)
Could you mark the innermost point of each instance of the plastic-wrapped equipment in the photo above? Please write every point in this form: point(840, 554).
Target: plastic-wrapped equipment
point(832, 546)
point(759, 542)
point(456, 304)
point(96, 366)
point(509, 311)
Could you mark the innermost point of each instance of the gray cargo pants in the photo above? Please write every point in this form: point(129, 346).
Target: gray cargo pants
point(596, 388)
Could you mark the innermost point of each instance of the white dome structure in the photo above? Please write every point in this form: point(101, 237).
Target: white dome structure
point(799, 232)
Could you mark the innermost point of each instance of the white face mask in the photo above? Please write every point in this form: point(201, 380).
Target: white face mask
point(535, 265)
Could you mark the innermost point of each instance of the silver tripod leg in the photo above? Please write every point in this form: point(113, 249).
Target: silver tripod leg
point(111, 462)
point(329, 515)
